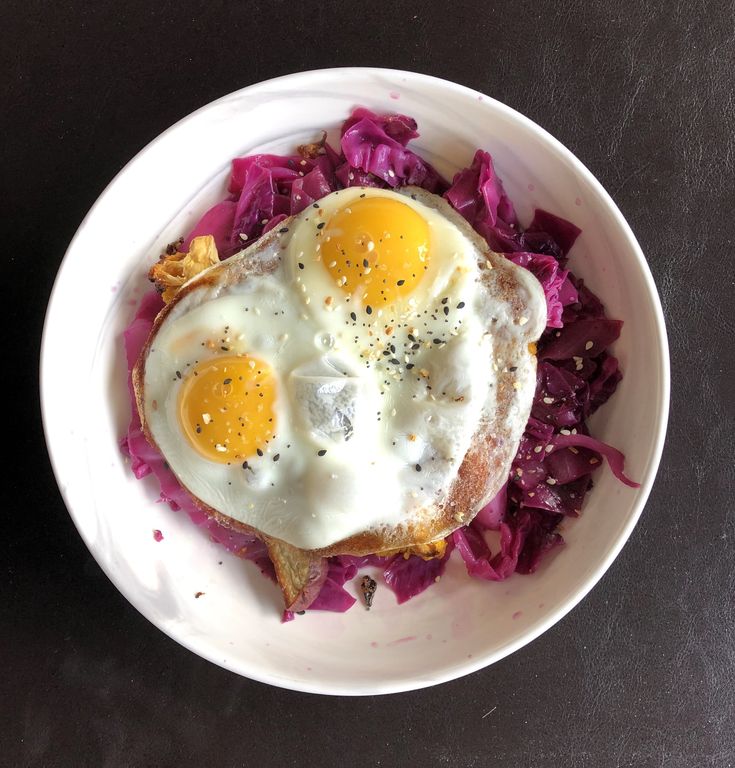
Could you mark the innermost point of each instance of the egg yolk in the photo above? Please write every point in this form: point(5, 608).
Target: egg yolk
point(376, 249)
point(226, 407)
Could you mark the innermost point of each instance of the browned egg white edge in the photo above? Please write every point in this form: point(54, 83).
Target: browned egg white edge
point(486, 464)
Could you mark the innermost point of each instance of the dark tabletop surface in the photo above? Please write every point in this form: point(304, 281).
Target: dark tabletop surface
point(642, 672)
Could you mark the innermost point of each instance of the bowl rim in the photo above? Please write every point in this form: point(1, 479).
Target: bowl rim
point(451, 672)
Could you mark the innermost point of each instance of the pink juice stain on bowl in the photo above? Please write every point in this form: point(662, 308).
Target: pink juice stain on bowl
point(402, 640)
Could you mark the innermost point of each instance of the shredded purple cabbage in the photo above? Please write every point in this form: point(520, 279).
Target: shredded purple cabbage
point(552, 471)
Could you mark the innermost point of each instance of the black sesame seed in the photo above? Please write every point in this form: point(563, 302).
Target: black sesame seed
point(438, 341)
point(418, 467)
point(365, 263)
point(227, 381)
point(276, 457)
point(394, 361)
point(353, 316)
point(460, 305)
point(301, 266)
point(178, 374)
point(369, 309)
point(409, 366)
point(321, 225)
point(259, 452)
point(446, 310)
point(315, 205)
point(322, 452)
point(400, 282)
point(445, 300)
point(283, 230)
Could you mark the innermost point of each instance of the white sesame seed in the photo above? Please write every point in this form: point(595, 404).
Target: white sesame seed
point(551, 481)
point(589, 345)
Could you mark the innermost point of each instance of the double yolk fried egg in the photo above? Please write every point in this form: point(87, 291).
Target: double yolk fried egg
point(357, 380)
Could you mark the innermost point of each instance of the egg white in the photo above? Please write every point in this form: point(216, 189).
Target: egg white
point(394, 435)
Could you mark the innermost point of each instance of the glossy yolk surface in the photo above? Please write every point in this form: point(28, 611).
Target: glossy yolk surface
point(226, 407)
point(376, 249)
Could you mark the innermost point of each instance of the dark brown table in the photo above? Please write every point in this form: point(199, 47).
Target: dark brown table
point(642, 673)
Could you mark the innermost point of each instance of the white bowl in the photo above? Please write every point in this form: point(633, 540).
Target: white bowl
point(459, 625)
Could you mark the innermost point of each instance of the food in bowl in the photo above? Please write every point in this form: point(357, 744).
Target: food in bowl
point(357, 385)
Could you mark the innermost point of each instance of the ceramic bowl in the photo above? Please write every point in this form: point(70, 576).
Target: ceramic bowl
point(459, 625)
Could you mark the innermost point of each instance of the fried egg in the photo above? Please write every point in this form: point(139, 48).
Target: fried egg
point(356, 380)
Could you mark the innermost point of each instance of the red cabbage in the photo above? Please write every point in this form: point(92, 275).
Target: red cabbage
point(218, 221)
point(477, 193)
point(582, 338)
point(552, 471)
point(478, 558)
point(333, 596)
point(377, 145)
point(399, 128)
point(493, 514)
point(614, 457)
point(410, 576)
point(405, 576)
point(264, 189)
point(557, 230)
point(547, 271)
